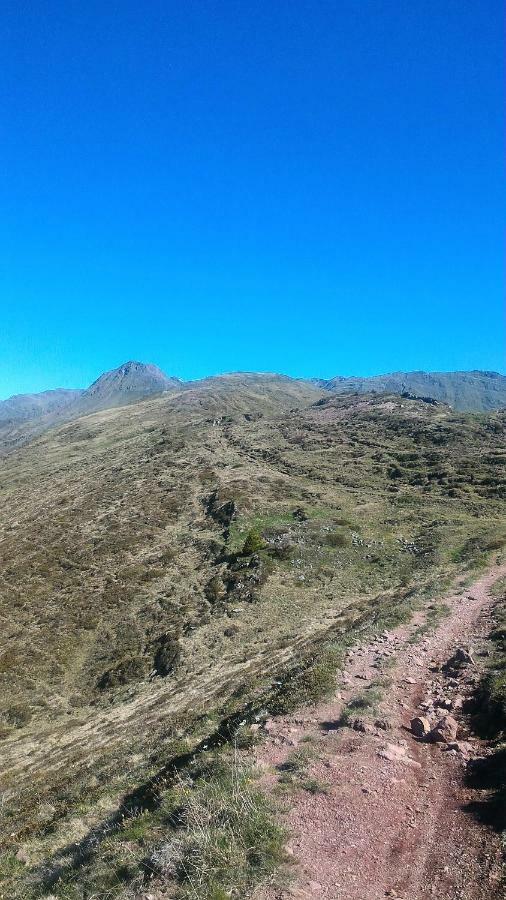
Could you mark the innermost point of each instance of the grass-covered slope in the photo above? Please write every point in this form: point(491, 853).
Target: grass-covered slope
point(133, 616)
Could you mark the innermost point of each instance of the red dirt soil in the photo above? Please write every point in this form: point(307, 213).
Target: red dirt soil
point(392, 820)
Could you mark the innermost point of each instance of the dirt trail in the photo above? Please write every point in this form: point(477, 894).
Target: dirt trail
point(391, 820)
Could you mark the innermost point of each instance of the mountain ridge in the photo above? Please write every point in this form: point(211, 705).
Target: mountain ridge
point(25, 415)
point(466, 391)
point(20, 407)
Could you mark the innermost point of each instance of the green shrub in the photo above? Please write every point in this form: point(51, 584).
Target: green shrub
point(254, 542)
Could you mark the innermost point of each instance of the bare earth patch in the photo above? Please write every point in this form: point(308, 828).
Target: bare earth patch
point(388, 816)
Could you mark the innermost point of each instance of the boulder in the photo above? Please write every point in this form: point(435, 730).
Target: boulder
point(420, 726)
point(463, 656)
point(445, 731)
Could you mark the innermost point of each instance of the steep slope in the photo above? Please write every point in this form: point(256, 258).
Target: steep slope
point(128, 383)
point(132, 621)
point(464, 391)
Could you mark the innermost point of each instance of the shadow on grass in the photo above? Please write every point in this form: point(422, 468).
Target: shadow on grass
point(489, 775)
point(147, 797)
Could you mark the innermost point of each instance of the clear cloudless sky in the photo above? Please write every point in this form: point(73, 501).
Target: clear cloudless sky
point(309, 186)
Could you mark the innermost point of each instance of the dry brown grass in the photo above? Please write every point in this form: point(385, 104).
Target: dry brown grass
point(106, 550)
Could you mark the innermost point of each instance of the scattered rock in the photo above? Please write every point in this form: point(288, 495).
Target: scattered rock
point(362, 725)
point(454, 745)
point(462, 657)
point(463, 732)
point(382, 724)
point(220, 509)
point(392, 752)
point(444, 702)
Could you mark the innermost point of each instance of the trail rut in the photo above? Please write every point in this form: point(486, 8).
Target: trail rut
point(390, 818)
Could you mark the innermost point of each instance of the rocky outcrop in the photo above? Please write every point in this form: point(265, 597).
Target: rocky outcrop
point(167, 653)
point(223, 511)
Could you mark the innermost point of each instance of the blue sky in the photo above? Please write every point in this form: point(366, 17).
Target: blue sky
point(307, 186)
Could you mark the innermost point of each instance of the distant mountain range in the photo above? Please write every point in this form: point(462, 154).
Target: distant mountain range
point(26, 415)
point(22, 407)
point(464, 391)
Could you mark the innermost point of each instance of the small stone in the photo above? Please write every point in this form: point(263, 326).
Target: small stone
point(362, 726)
point(383, 724)
point(454, 745)
point(444, 703)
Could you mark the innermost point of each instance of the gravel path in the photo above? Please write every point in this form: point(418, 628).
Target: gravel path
point(390, 820)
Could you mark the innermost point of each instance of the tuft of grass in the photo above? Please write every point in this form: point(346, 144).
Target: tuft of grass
point(294, 771)
point(435, 614)
point(298, 760)
point(246, 737)
point(337, 539)
point(366, 702)
point(212, 835)
point(314, 786)
point(230, 841)
point(310, 684)
point(388, 663)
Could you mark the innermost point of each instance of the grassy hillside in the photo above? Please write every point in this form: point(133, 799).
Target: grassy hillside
point(24, 417)
point(167, 563)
